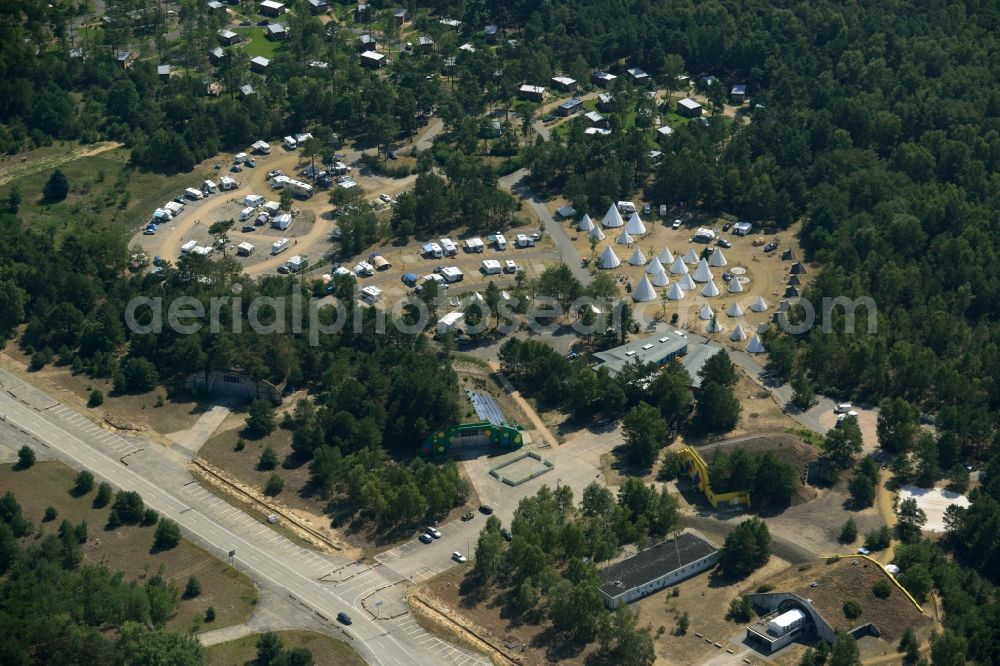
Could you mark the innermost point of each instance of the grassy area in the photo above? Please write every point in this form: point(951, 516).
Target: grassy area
point(257, 44)
point(325, 650)
point(105, 192)
point(808, 436)
point(127, 549)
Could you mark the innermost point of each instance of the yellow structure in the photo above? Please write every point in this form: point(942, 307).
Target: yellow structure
point(885, 571)
point(697, 471)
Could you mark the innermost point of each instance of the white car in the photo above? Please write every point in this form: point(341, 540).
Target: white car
point(843, 408)
point(676, 225)
point(458, 557)
point(847, 415)
point(434, 532)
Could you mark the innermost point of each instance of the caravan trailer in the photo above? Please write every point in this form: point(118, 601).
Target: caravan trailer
point(226, 183)
point(245, 249)
point(194, 194)
point(188, 246)
point(280, 246)
point(290, 143)
point(209, 187)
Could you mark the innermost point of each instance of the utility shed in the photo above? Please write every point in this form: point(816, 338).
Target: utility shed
point(655, 568)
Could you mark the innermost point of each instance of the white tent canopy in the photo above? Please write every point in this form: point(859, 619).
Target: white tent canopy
point(686, 282)
point(702, 273)
point(738, 334)
point(675, 293)
point(735, 286)
point(678, 267)
point(759, 304)
point(714, 326)
point(666, 257)
point(613, 219)
point(710, 290)
point(586, 224)
point(644, 292)
point(755, 346)
point(717, 259)
point(597, 233)
point(654, 266)
point(705, 313)
point(635, 225)
point(624, 238)
point(690, 257)
point(735, 310)
point(637, 258)
point(661, 279)
point(609, 259)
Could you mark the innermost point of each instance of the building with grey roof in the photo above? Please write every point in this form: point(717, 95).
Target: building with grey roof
point(655, 568)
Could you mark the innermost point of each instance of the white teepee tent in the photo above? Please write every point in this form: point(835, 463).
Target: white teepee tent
point(586, 224)
point(597, 233)
point(738, 334)
point(690, 257)
point(678, 267)
point(624, 238)
point(675, 293)
point(666, 257)
point(686, 283)
point(734, 310)
point(714, 326)
point(637, 258)
point(717, 259)
point(710, 290)
point(613, 219)
point(735, 286)
point(705, 313)
point(755, 346)
point(635, 225)
point(759, 305)
point(654, 266)
point(644, 292)
point(702, 273)
point(661, 279)
point(609, 259)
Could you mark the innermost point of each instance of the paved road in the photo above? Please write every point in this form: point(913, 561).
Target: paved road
point(320, 584)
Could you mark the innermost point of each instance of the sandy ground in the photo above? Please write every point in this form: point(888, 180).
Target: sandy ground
point(934, 502)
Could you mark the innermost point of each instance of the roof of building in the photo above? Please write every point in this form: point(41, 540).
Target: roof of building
point(652, 563)
point(275, 27)
point(372, 55)
point(739, 89)
point(688, 103)
point(564, 80)
point(533, 89)
point(272, 4)
point(695, 360)
point(571, 103)
point(163, 69)
point(652, 349)
point(260, 60)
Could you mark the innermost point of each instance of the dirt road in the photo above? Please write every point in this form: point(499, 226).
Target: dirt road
point(14, 168)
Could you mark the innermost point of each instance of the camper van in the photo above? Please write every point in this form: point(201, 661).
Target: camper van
point(501, 242)
point(240, 158)
point(452, 274)
point(295, 264)
point(448, 247)
point(282, 221)
point(246, 213)
point(280, 246)
point(474, 245)
point(188, 246)
point(226, 183)
point(253, 200)
point(194, 194)
point(245, 249)
point(524, 241)
point(491, 267)
point(371, 295)
point(626, 207)
point(290, 143)
point(209, 187)
point(364, 269)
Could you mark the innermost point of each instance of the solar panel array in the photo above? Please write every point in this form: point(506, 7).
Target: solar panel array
point(486, 407)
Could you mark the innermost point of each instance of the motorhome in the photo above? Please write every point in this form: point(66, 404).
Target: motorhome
point(226, 183)
point(194, 194)
point(295, 264)
point(364, 269)
point(371, 295)
point(524, 241)
point(474, 245)
point(174, 208)
point(245, 249)
point(500, 242)
point(626, 207)
point(188, 246)
point(253, 200)
point(491, 267)
point(280, 246)
point(282, 221)
point(246, 213)
point(240, 158)
point(452, 274)
point(290, 143)
point(432, 250)
point(209, 187)
point(448, 247)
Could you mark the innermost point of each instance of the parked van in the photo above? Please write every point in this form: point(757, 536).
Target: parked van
point(280, 246)
point(290, 143)
point(246, 213)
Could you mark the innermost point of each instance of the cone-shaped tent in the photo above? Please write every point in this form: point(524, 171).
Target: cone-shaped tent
point(586, 224)
point(609, 259)
point(476, 298)
point(624, 238)
point(637, 258)
point(705, 313)
point(675, 293)
point(613, 219)
point(654, 266)
point(660, 279)
point(644, 292)
point(717, 259)
point(794, 281)
point(791, 292)
point(678, 267)
point(759, 304)
point(666, 257)
point(755, 346)
point(714, 326)
point(635, 225)
point(787, 255)
point(597, 233)
point(738, 333)
point(686, 283)
point(734, 310)
point(710, 290)
point(690, 257)
point(735, 286)
point(702, 273)
point(798, 268)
